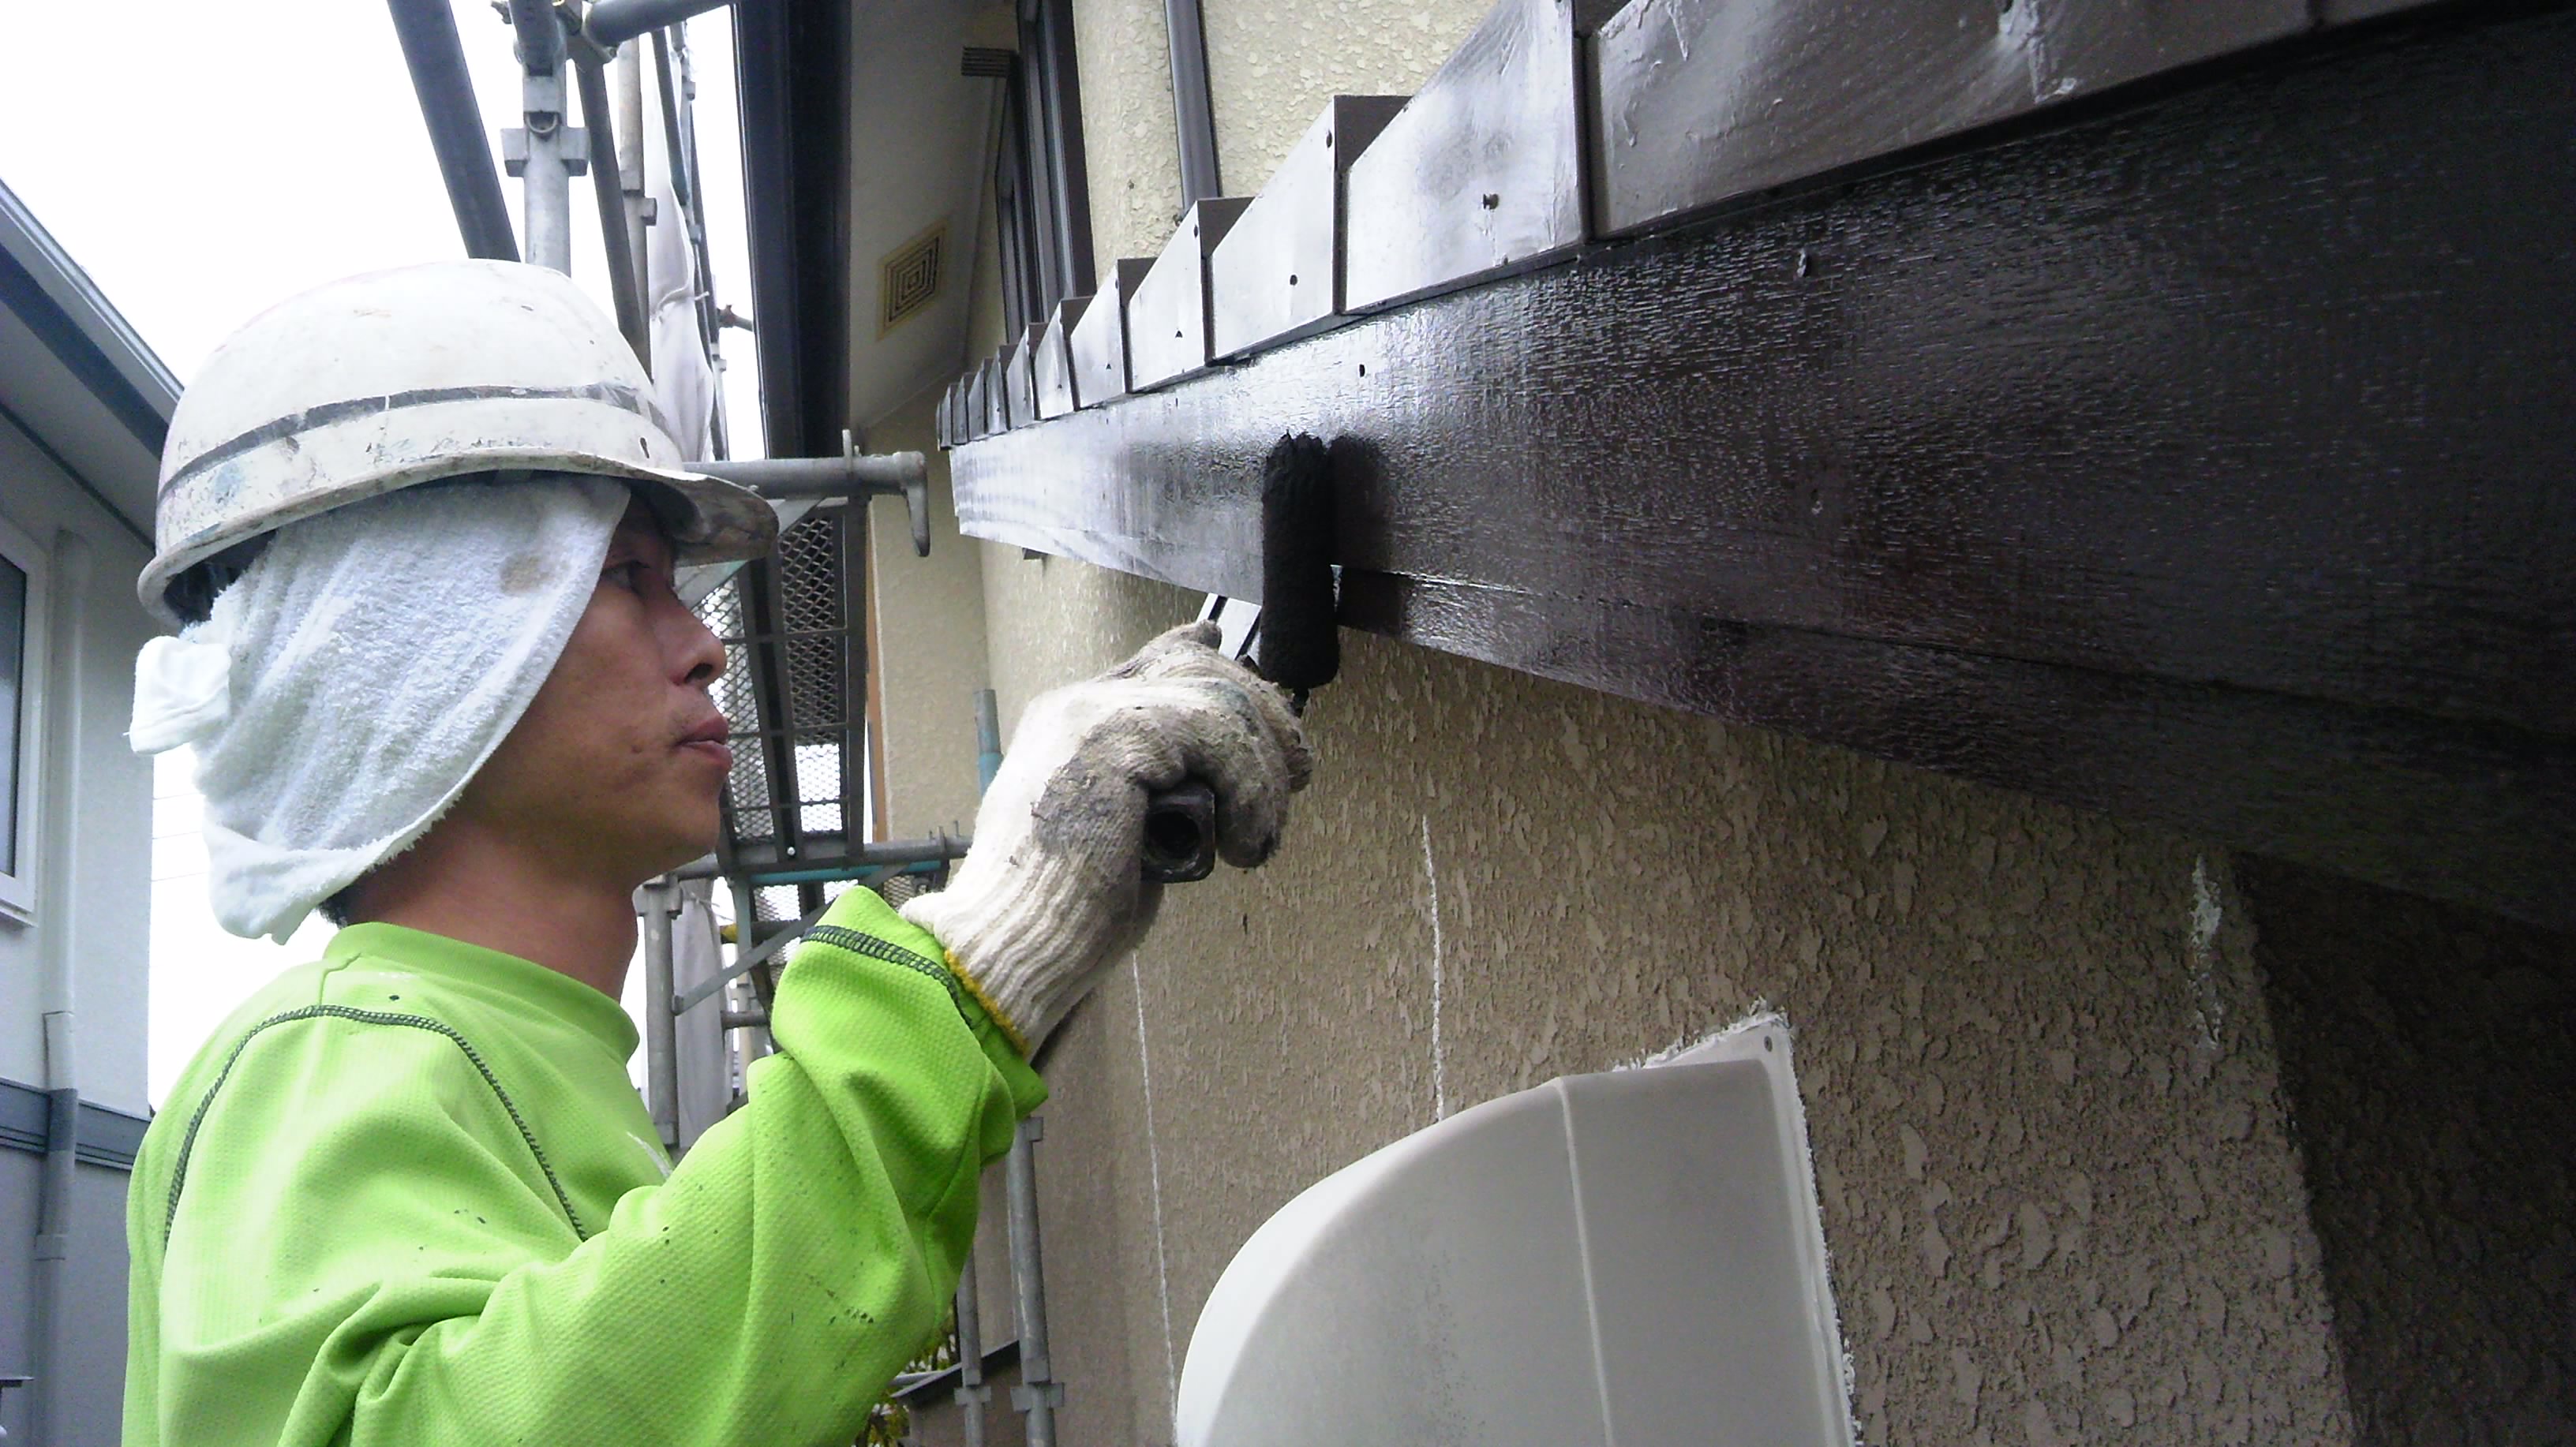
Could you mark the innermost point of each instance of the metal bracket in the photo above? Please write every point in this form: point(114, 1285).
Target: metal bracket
point(571, 143)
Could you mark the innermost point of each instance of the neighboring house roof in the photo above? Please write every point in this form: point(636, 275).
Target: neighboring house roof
point(74, 377)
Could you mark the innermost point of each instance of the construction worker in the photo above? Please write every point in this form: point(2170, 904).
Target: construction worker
point(422, 527)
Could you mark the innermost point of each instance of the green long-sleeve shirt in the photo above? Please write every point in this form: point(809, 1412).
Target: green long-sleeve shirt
point(407, 1196)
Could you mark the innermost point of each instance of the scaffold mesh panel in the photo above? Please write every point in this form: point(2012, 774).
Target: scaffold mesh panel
point(818, 783)
point(738, 698)
point(813, 620)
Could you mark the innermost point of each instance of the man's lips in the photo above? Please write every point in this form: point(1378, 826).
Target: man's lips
point(709, 739)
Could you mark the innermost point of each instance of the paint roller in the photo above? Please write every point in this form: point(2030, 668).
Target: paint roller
point(1295, 641)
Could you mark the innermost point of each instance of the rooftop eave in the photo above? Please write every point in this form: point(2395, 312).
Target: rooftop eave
point(94, 395)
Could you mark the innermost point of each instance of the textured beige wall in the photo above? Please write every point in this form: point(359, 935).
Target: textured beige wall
point(1132, 154)
point(2051, 1149)
point(2430, 1054)
point(929, 647)
point(1270, 69)
point(1272, 66)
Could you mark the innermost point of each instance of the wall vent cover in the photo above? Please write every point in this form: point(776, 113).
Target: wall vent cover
point(908, 281)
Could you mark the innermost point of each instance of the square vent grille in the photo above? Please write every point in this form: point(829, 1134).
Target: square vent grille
point(908, 280)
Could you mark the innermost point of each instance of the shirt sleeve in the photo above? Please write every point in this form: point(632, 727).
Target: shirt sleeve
point(397, 1271)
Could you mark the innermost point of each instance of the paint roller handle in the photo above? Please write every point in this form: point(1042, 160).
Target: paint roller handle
point(1299, 640)
point(1180, 834)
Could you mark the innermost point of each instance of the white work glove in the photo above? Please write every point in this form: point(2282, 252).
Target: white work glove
point(1053, 889)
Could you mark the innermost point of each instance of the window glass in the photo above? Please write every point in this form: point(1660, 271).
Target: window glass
point(13, 653)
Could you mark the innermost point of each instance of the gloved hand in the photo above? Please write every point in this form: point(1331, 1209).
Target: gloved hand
point(1053, 890)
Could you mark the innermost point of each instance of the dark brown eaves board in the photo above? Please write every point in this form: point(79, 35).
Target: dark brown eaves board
point(2204, 461)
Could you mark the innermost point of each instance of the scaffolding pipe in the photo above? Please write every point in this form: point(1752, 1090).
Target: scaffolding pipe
point(544, 154)
point(972, 1394)
point(936, 847)
point(988, 738)
point(683, 188)
point(852, 475)
point(612, 23)
point(445, 88)
point(52, 1408)
point(608, 187)
point(746, 959)
point(887, 474)
point(1038, 1393)
point(836, 873)
point(630, 179)
point(671, 71)
point(657, 902)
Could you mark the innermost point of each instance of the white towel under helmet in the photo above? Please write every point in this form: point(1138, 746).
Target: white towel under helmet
point(349, 684)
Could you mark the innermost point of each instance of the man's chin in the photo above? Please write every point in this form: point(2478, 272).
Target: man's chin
point(683, 845)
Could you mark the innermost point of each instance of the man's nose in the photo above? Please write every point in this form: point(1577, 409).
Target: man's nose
point(699, 656)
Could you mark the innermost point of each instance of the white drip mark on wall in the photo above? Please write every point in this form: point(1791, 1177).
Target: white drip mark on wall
point(1154, 1173)
point(1439, 1063)
point(2202, 941)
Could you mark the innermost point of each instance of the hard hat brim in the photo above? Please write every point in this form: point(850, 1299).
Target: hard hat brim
point(233, 495)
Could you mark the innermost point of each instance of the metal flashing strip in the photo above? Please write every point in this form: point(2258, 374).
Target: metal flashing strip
point(1168, 315)
point(1481, 174)
point(1277, 274)
point(2114, 463)
point(108, 1137)
point(1051, 365)
point(1099, 341)
point(1562, 122)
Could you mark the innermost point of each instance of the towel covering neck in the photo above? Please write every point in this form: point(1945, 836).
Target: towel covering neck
point(350, 683)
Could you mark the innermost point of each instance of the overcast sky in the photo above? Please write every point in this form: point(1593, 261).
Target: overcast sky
point(204, 160)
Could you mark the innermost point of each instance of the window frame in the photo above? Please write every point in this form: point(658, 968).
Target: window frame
point(18, 881)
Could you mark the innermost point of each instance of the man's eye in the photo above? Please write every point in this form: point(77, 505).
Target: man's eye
point(627, 575)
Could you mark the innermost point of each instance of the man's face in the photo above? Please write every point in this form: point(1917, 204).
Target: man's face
point(620, 758)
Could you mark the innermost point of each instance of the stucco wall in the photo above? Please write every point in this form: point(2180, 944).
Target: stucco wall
point(1131, 157)
point(929, 642)
point(2051, 1148)
point(2429, 1052)
point(1271, 67)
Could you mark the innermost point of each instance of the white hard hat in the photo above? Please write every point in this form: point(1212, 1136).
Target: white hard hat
point(383, 381)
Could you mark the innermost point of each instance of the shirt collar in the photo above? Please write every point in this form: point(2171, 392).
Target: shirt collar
point(524, 982)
